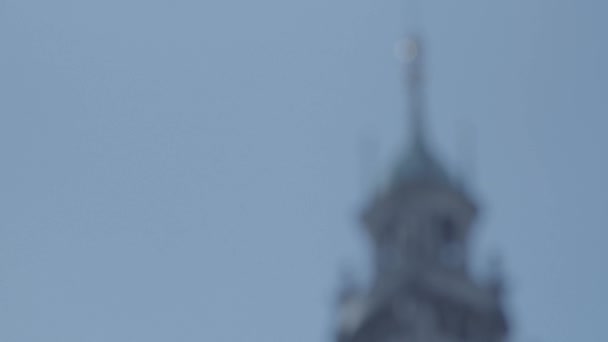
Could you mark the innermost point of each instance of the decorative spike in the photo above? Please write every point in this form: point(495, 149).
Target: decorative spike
point(415, 90)
point(418, 161)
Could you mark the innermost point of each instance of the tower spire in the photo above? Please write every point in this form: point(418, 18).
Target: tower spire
point(412, 56)
point(418, 162)
point(415, 90)
point(420, 227)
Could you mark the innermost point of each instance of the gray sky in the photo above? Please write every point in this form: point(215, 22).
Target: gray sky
point(190, 170)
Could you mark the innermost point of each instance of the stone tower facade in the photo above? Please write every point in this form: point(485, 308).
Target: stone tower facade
point(420, 228)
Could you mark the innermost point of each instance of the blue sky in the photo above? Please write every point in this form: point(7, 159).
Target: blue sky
point(191, 171)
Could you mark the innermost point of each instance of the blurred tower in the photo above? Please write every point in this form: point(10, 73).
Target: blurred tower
point(420, 227)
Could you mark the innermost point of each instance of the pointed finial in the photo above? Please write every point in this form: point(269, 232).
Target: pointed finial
point(411, 54)
point(418, 161)
point(415, 88)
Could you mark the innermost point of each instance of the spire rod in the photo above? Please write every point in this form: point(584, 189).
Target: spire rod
point(418, 161)
point(415, 90)
point(412, 56)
